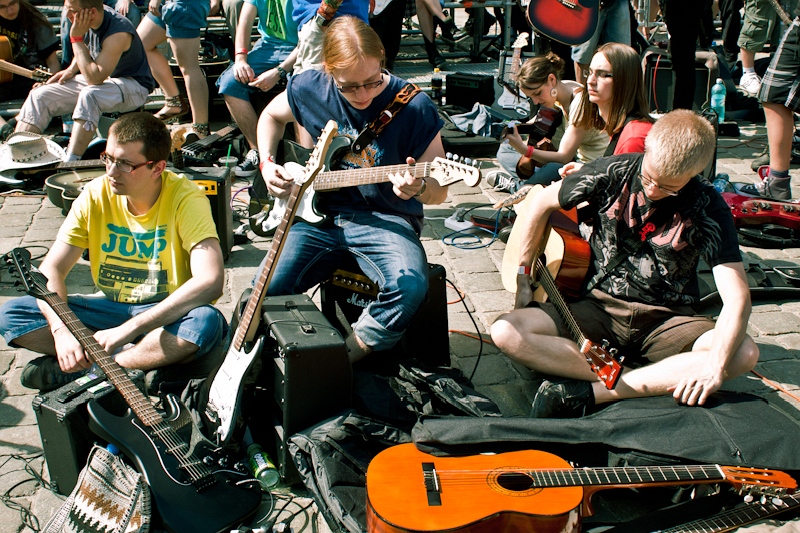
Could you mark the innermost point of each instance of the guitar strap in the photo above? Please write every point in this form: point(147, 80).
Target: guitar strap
point(612, 145)
point(374, 128)
point(636, 237)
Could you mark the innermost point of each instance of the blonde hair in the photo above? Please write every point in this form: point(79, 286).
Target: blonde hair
point(348, 41)
point(680, 143)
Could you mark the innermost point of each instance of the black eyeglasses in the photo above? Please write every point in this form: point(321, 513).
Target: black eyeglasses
point(122, 166)
point(649, 182)
point(350, 89)
point(602, 74)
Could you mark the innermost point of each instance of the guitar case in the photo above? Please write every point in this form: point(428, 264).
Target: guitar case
point(766, 283)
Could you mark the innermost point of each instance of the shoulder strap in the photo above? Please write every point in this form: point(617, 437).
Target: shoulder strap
point(374, 128)
point(615, 138)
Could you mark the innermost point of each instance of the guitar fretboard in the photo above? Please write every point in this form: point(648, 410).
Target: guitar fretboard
point(736, 517)
point(337, 179)
point(625, 475)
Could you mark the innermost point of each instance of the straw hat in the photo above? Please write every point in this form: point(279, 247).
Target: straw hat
point(24, 149)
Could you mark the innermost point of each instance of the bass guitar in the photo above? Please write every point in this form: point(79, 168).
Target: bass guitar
point(571, 22)
point(511, 99)
point(194, 488)
point(8, 69)
point(445, 171)
point(225, 393)
point(199, 153)
point(566, 256)
point(408, 490)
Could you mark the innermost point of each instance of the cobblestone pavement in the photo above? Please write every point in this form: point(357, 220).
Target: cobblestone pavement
point(32, 221)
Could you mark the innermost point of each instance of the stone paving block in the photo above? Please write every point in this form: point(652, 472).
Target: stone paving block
point(476, 282)
point(513, 400)
point(492, 369)
point(39, 236)
point(17, 411)
point(14, 475)
point(46, 504)
point(20, 440)
point(493, 301)
point(45, 222)
point(6, 360)
point(22, 218)
point(774, 323)
point(14, 386)
point(770, 349)
point(480, 264)
point(11, 519)
point(463, 345)
point(792, 342)
point(766, 308)
point(10, 232)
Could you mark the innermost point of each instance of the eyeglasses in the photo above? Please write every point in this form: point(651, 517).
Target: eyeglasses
point(350, 89)
point(4, 7)
point(650, 183)
point(122, 166)
point(600, 74)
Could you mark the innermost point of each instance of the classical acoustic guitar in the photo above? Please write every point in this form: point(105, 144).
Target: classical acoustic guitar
point(8, 69)
point(195, 487)
point(562, 266)
point(408, 490)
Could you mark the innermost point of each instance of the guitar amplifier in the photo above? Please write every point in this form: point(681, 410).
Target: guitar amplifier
point(311, 377)
point(463, 90)
point(344, 296)
point(63, 424)
point(659, 80)
point(216, 183)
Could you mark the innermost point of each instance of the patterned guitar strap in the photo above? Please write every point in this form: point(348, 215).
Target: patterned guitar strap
point(374, 128)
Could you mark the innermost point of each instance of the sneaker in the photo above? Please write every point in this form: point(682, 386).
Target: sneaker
point(248, 167)
point(566, 398)
point(44, 374)
point(768, 187)
point(761, 160)
point(502, 181)
point(750, 83)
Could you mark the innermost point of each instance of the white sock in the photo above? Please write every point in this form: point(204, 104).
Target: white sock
point(71, 157)
point(748, 70)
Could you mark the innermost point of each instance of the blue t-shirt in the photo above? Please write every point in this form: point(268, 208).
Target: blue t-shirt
point(314, 100)
point(275, 19)
point(304, 10)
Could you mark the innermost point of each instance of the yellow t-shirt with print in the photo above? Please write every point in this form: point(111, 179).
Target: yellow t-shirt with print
point(144, 258)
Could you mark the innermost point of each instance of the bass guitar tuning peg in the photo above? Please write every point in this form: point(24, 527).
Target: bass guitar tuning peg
point(748, 498)
point(449, 156)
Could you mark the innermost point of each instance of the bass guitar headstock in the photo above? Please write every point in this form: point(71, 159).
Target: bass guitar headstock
point(759, 481)
point(316, 161)
point(33, 281)
point(447, 171)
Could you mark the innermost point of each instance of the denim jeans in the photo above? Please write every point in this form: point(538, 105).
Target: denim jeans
point(203, 326)
point(384, 246)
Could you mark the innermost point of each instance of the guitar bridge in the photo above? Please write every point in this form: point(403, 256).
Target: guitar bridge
point(432, 488)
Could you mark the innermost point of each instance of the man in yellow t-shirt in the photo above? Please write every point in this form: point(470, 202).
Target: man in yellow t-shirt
point(155, 258)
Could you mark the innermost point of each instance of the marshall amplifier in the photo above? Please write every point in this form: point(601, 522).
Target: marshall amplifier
point(463, 90)
point(305, 358)
point(63, 424)
point(215, 182)
point(346, 294)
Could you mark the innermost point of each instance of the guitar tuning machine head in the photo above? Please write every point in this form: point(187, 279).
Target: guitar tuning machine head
point(449, 156)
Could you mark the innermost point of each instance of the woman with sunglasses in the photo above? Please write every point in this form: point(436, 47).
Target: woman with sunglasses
point(374, 227)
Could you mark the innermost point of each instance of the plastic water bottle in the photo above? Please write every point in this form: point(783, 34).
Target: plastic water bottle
point(718, 99)
point(436, 86)
point(263, 468)
point(67, 122)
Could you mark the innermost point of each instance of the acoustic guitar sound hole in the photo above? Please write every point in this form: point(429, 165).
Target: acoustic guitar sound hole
point(515, 481)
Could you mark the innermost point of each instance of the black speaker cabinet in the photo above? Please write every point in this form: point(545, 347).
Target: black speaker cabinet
point(311, 373)
point(344, 296)
point(63, 424)
point(463, 90)
point(216, 183)
point(659, 80)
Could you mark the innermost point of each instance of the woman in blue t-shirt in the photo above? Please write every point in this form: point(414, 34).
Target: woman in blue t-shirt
point(373, 226)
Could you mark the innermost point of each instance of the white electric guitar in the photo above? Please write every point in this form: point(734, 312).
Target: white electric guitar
point(511, 99)
point(226, 388)
point(444, 171)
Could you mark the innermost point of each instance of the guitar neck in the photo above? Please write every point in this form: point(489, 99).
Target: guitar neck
point(736, 517)
point(202, 144)
point(633, 475)
point(549, 284)
point(16, 69)
point(337, 179)
point(138, 402)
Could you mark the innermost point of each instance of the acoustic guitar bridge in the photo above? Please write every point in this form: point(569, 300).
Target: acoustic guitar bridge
point(432, 487)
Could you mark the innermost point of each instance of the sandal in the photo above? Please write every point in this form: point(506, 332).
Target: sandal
point(178, 102)
point(202, 130)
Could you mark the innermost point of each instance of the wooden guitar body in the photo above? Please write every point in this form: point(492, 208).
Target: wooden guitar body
point(571, 22)
point(64, 187)
point(182, 504)
point(5, 55)
point(567, 255)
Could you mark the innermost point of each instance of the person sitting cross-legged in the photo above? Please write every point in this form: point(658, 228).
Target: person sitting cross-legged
point(155, 258)
point(653, 219)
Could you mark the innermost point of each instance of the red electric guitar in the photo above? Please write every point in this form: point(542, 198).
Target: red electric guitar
point(408, 490)
point(750, 211)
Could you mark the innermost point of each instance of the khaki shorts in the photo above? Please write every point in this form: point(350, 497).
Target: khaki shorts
point(639, 331)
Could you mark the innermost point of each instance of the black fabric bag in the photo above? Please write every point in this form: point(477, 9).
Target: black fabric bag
point(731, 429)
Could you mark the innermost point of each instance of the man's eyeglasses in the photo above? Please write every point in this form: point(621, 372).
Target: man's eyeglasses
point(601, 74)
point(122, 166)
point(4, 7)
point(350, 89)
point(649, 182)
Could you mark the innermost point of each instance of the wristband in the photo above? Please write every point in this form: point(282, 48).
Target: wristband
point(524, 269)
point(281, 72)
point(78, 39)
point(57, 326)
point(529, 153)
point(268, 159)
point(421, 190)
point(240, 51)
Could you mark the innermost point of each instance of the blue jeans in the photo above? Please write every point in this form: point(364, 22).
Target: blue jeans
point(385, 247)
point(265, 54)
point(613, 26)
point(203, 326)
